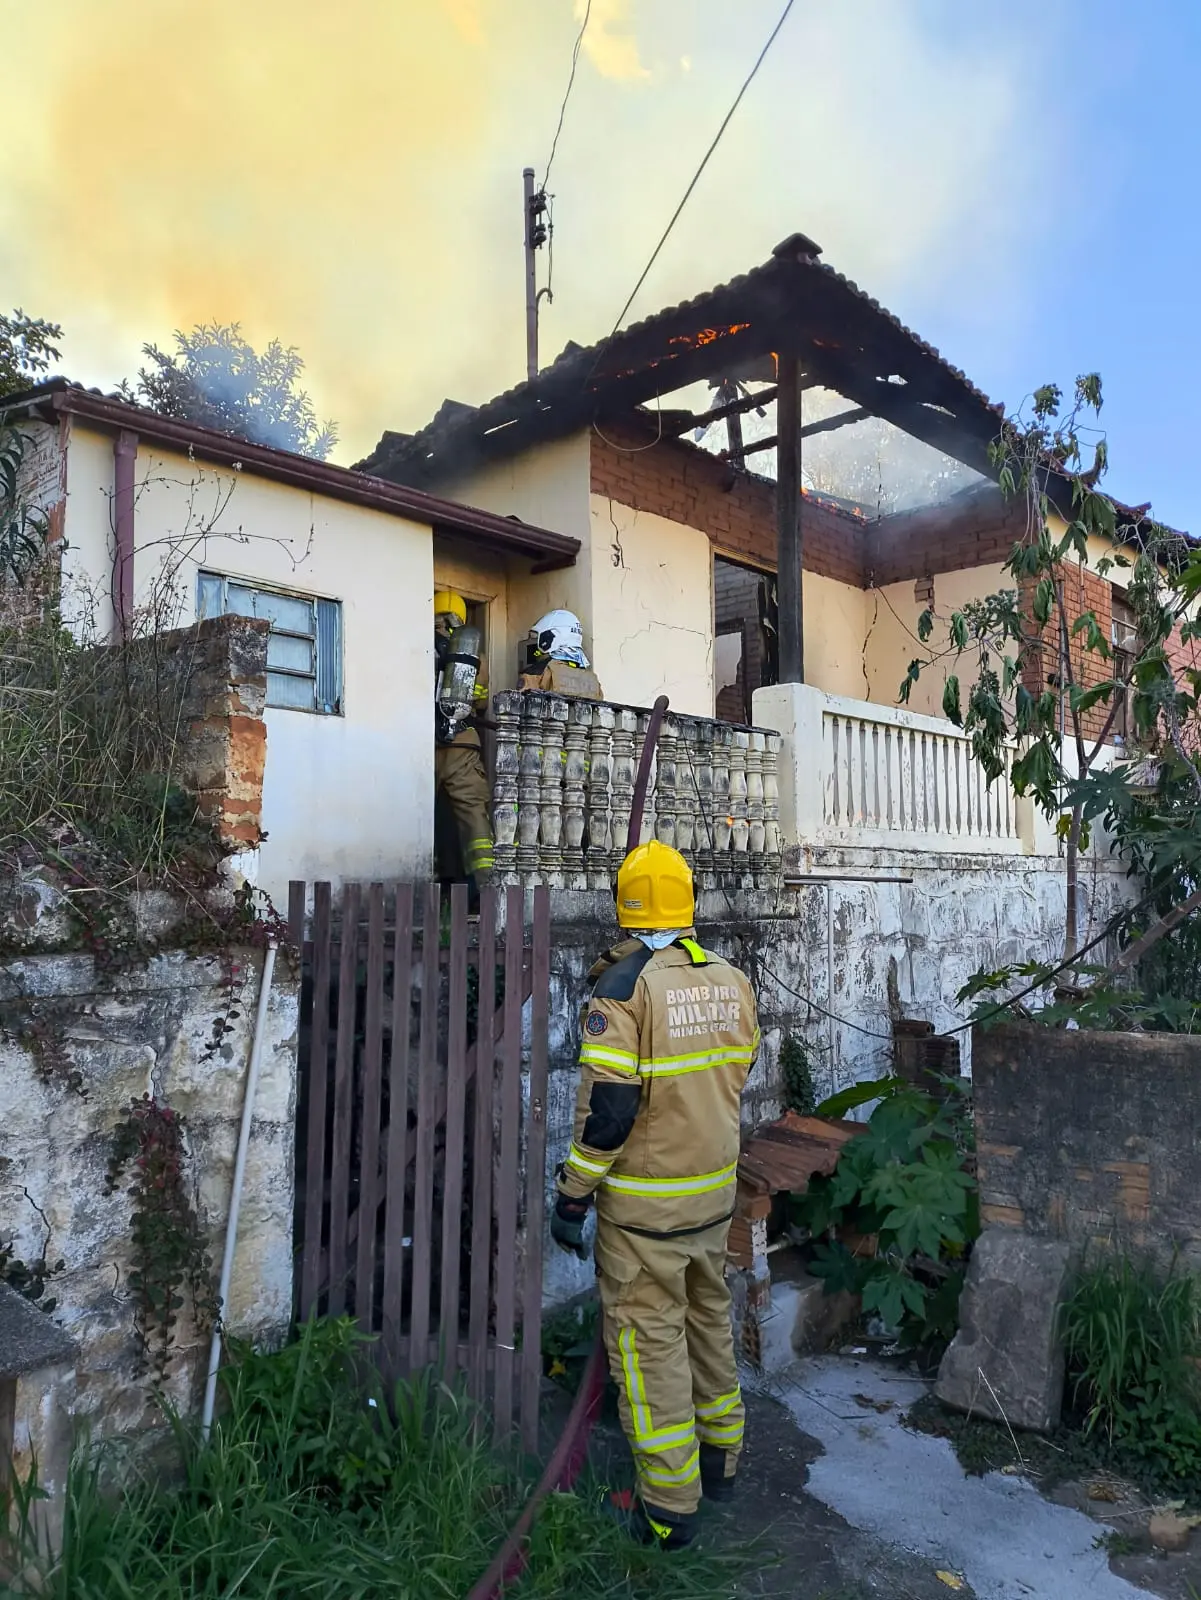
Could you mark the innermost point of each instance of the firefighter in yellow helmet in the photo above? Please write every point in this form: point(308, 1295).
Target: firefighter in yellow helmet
point(460, 692)
point(669, 1037)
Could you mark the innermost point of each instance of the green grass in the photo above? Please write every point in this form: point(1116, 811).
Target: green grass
point(307, 1490)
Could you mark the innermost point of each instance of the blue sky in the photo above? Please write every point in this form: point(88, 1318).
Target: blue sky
point(1019, 184)
point(1112, 273)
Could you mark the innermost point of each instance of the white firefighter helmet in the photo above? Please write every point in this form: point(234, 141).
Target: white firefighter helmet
point(558, 637)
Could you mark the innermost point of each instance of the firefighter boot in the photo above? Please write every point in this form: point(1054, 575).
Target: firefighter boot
point(715, 1485)
point(648, 1524)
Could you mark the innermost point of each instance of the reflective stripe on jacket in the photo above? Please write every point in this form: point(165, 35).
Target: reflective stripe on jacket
point(667, 1042)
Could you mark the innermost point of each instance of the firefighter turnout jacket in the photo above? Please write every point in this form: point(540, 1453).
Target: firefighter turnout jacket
point(668, 1039)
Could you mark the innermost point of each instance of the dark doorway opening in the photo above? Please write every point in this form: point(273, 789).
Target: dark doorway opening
point(746, 656)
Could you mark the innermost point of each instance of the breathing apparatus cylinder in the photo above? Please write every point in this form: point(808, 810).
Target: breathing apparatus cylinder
point(455, 699)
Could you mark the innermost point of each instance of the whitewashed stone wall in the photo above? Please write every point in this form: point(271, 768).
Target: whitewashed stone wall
point(132, 1032)
point(852, 948)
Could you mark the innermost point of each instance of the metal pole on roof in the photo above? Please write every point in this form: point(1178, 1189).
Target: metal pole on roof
point(531, 278)
point(789, 543)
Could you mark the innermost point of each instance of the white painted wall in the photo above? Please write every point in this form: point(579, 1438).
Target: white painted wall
point(652, 608)
point(835, 622)
point(890, 628)
point(347, 796)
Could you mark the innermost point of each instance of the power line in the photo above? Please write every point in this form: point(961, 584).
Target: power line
point(696, 177)
point(575, 58)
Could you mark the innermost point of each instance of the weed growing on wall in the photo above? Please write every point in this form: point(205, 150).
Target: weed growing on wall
point(796, 1078)
point(171, 1265)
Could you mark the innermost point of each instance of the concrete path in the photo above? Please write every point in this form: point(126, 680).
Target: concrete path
point(907, 1490)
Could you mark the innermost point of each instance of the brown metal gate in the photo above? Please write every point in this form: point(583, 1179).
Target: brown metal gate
point(421, 1154)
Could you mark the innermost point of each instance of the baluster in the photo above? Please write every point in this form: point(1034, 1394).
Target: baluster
point(756, 832)
point(550, 832)
point(529, 786)
point(575, 770)
point(742, 827)
point(862, 773)
point(888, 785)
point(771, 804)
point(702, 772)
point(876, 774)
point(600, 775)
point(507, 708)
point(686, 791)
point(625, 726)
point(723, 822)
point(836, 817)
point(665, 787)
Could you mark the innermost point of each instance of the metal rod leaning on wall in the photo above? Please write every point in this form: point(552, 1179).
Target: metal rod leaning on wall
point(235, 1199)
point(570, 1452)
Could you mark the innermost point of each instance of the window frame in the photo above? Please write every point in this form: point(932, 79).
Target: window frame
point(326, 639)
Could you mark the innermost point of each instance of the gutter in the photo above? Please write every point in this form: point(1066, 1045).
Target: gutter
point(125, 460)
point(541, 545)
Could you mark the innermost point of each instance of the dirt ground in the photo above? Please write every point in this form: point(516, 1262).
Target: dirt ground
point(801, 1550)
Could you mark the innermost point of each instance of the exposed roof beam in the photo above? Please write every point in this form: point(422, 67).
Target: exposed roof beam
point(826, 425)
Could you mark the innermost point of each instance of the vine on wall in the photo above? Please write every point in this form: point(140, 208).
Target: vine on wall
point(171, 1262)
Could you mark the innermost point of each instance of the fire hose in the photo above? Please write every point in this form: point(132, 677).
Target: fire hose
point(570, 1453)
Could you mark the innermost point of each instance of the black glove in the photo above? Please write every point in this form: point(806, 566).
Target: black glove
point(567, 1224)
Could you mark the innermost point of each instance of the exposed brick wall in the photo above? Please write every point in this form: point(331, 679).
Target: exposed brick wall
point(1090, 1137)
point(738, 512)
point(1082, 591)
point(975, 529)
point(42, 487)
point(736, 601)
point(225, 745)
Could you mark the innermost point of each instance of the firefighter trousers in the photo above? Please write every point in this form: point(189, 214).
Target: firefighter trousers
point(459, 773)
point(666, 1313)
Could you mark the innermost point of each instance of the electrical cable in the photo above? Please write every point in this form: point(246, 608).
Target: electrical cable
point(696, 177)
point(575, 60)
point(1111, 927)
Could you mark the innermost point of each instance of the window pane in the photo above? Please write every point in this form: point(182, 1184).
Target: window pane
point(294, 694)
point(329, 656)
point(210, 596)
point(294, 615)
point(284, 650)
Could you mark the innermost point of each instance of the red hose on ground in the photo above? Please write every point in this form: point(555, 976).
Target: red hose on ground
point(570, 1453)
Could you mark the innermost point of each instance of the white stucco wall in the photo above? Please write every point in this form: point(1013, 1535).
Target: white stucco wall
point(890, 625)
point(834, 621)
point(652, 608)
point(348, 796)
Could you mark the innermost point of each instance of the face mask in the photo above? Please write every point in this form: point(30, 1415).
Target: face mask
point(659, 941)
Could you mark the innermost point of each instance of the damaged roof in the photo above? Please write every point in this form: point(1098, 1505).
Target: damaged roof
point(845, 340)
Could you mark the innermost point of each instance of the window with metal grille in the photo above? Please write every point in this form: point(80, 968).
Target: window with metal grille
point(304, 647)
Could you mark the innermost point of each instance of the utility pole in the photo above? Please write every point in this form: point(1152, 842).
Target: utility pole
point(536, 234)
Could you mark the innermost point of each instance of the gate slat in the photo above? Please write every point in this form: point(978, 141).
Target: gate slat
point(296, 907)
point(373, 1040)
point(456, 1095)
point(343, 1099)
point(535, 1169)
point(427, 1070)
point(481, 1185)
point(506, 1199)
point(398, 1131)
point(318, 1074)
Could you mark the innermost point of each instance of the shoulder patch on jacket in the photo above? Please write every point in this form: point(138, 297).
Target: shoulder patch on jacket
point(620, 981)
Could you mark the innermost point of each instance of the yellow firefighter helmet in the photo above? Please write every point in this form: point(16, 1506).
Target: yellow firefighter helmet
point(654, 889)
point(449, 604)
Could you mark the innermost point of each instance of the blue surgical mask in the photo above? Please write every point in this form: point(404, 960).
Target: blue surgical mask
point(659, 941)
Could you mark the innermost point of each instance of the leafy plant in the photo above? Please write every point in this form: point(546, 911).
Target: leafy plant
point(23, 528)
point(904, 1182)
point(27, 347)
point(1133, 1343)
point(216, 378)
point(1046, 679)
point(567, 1340)
point(796, 1077)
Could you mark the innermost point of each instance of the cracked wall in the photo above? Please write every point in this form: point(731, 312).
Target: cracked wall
point(145, 1028)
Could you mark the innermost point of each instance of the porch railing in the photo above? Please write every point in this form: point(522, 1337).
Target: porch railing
point(564, 789)
point(879, 776)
